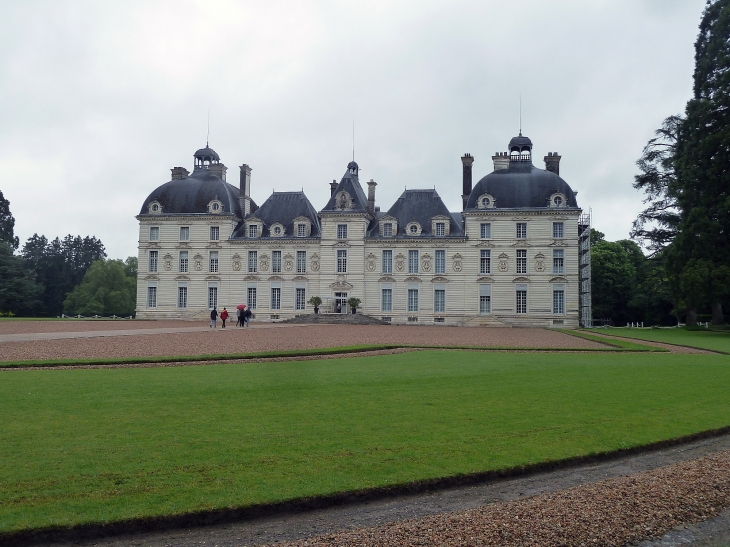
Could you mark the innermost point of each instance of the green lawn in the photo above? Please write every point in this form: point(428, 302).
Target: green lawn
point(704, 339)
point(98, 445)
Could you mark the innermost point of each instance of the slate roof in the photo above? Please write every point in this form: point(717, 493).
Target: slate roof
point(192, 195)
point(521, 186)
point(283, 207)
point(420, 206)
point(350, 183)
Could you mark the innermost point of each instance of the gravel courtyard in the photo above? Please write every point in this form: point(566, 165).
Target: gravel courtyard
point(262, 337)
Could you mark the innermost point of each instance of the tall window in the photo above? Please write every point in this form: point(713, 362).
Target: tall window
point(152, 296)
point(301, 262)
point(183, 262)
point(413, 261)
point(342, 231)
point(558, 230)
point(558, 261)
point(387, 262)
point(153, 261)
point(439, 301)
point(182, 297)
point(386, 302)
point(387, 229)
point(213, 262)
point(485, 299)
point(440, 261)
point(300, 299)
point(301, 230)
point(275, 298)
point(184, 233)
point(215, 233)
point(558, 299)
point(253, 261)
point(252, 298)
point(521, 230)
point(521, 299)
point(440, 229)
point(485, 230)
point(412, 299)
point(521, 261)
point(341, 261)
point(275, 261)
point(253, 230)
point(154, 233)
point(212, 297)
point(485, 261)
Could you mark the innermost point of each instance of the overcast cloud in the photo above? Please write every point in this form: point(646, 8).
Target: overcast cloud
point(100, 99)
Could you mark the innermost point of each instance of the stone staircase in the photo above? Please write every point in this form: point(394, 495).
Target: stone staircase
point(483, 321)
point(335, 319)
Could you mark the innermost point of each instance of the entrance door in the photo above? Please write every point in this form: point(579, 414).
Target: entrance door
point(340, 302)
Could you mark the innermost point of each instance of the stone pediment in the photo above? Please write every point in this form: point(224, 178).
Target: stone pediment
point(386, 279)
point(151, 276)
point(183, 245)
point(503, 256)
point(341, 286)
point(484, 244)
point(440, 279)
point(412, 279)
point(521, 279)
point(212, 278)
point(182, 278)
point(276, 278)
point(251, 278)
point(558, 243)
point(213, 245)
point(300, 278)
point(558, 279)
point(539, 255)
point(485, 279)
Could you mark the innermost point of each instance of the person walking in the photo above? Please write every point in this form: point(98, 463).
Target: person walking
point(213, 318)
point(247, 315)
point(224, 316)
point(239, 317)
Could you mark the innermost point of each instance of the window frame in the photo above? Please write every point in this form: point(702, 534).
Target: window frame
point(440, 230)
point(341, 260)
point(389, 301)
point(558, 261)
point(154, 230)
point(152, 295)
point(440, 261)
point(439, 306)
point(558, 230)
point(485, 299)
point(253, 231)
point(213, 261)
point(182, 297)
point(275, 261)
point(485, 230)
point(300, 303)
point(342, 231)
point(413, 263)
point(215, 233)
point(412, 300)
point(558, 300)
point(387, 229)
point(212, 296)
point(485, 261)
point(251, 297)
point(520, 230)
point(252, 262)
point(187, 233)
point(183, 262)
point(386, 264)
point(301, 262)
point(521, 261)
point(275, 300)
point(153, 261)
point(521, 307)
point(301, 229)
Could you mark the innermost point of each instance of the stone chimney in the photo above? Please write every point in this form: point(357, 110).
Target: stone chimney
point(371, 196)
point(552, 162)
point(219, 170)
point(244, 191)
point(333, 187)
point(466, 161)
point(179, 173)
point(501, 160)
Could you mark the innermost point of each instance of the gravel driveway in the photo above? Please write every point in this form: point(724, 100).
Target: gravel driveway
point(268, 337)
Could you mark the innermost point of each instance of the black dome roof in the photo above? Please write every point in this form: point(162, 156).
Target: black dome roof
point(207, 152)
point(520, 142)
point(522, 185)
point(193, 194)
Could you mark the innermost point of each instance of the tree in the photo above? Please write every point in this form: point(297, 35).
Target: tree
point(59, 266)
point(703, 170)
point(107, 289)
point(656, 226)
point(7, 224)
point(596, 236)
point(18, 289)
point(613, 278)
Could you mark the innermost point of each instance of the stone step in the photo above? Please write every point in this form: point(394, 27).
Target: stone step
point(335, 319)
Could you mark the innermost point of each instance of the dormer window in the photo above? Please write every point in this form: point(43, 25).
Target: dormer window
point(155, 208)
point(387, 229)
point(253, 230)
point(558, 200)
point(301, 230)
point(215, 207)
point(413, 229)
point(277, 231)
point(440, 229)
point(485, 201)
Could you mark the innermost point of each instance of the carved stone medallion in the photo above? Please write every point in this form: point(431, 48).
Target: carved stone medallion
point(457, 265)
point(426, 265)
point(502, 265)
point(539, 266)
point(315, 265)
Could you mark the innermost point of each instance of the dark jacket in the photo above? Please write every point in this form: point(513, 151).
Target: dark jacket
point(213, 315)
point(247, 313)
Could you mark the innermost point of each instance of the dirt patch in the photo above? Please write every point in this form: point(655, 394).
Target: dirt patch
point(280, 338)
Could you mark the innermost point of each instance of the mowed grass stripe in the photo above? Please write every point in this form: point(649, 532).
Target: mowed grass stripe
point(104, 445)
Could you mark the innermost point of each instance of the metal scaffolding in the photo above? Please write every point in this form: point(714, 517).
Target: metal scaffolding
point(584, 270)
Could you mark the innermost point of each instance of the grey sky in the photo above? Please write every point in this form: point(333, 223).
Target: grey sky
point(100, 99)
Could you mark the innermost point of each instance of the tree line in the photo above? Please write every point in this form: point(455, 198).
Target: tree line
point(684, 173)
point(69, 276)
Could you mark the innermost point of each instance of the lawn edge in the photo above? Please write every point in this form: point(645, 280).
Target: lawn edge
point(91, 531)
point(340, 350)
point(616, 336)
point(614, 342)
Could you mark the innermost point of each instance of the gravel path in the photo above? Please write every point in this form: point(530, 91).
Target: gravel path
point(80, 325)
point(476, 505)
point(673, 348)
point(285, 337)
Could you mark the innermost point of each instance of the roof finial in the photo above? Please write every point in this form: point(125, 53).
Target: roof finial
point(520, 113)
point(207, 136)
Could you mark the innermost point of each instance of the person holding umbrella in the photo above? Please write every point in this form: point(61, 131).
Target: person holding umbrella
point(239, 314)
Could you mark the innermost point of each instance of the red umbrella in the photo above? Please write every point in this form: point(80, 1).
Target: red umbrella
point(241, 307)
